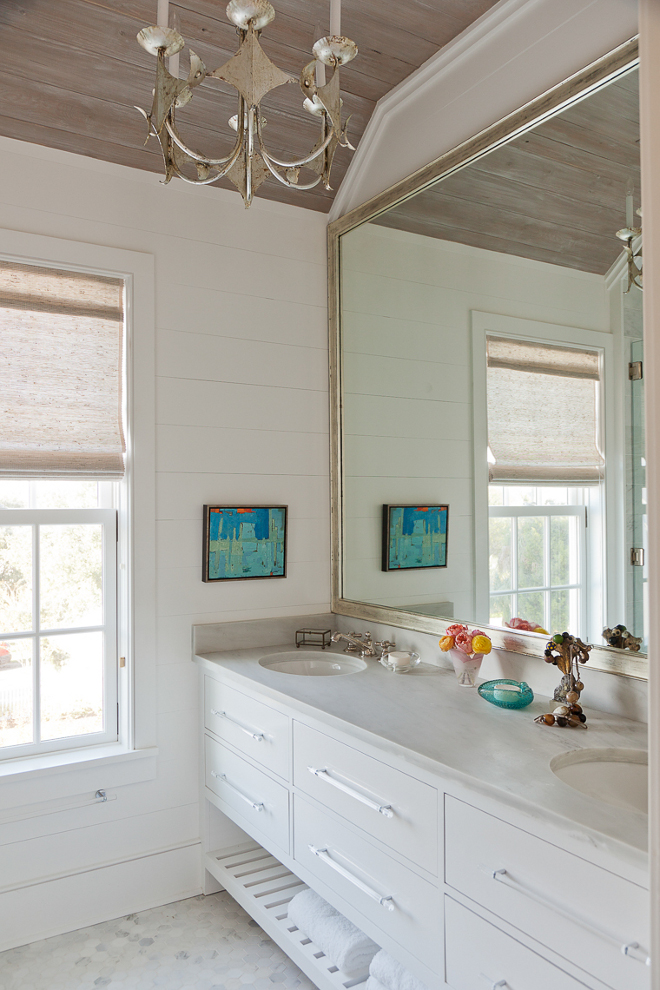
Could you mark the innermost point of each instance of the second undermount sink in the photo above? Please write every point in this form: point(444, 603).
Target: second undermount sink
point(312, 664)
point(615, 776)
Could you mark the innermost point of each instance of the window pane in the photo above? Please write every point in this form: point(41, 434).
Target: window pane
point(500, 609)
point(495, 495)
point(71, 575)
point(71, 685)
point(500, 554)
point(530, 607)
point(552, 496)
point(15, 692)
point(65, 495)
point(519, 495)
point(14, 494)
point(560, 617)
point(530, 552)
point(15, 579)
point(560, 551)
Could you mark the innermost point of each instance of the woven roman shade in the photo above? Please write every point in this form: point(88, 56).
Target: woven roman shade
point(61, 344)
point(543, 413)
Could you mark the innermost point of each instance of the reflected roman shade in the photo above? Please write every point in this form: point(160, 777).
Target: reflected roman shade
point(61, 336)
point(543, 420)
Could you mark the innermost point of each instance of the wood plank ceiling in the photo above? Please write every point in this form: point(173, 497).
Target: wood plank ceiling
point(555, 194)
point(73, 72)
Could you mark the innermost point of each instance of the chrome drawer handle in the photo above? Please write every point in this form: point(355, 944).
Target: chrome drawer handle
point(630, 949)
point(386, 902)
point(253, 804)
point(383, 809)
point(258, 736)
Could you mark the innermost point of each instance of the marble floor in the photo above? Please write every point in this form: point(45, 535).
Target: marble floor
point(202, 943)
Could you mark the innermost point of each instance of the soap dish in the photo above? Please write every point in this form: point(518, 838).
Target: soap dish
point(506, 693)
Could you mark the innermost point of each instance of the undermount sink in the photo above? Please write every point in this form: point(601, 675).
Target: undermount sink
point(614, 776)
point(312, 664)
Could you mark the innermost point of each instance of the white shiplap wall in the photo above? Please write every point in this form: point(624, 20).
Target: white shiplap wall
point(408, 382)
point(241, 364)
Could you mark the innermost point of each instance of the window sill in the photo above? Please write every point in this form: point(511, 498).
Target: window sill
point(92, 756)
point(52, 780)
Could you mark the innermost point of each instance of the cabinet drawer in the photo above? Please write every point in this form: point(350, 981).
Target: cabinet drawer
point(479, 956)
point(583, 912)
point(355, 786)
point(397, 900)
point(260, 802)
point(253, 728)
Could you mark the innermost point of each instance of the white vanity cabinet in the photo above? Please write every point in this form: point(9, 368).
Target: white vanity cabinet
point(455, 885)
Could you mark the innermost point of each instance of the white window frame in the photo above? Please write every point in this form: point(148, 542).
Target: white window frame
point(516, 512)
point(604, 572)
point(131, 757)
point(34, 519)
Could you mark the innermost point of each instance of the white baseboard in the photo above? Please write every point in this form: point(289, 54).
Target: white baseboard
point(65, 904)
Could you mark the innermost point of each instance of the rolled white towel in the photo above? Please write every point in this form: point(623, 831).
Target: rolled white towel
point(391, 975)
point(349, 949)
point(373, 984)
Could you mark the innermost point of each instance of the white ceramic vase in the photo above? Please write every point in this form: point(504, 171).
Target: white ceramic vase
point(466, 667)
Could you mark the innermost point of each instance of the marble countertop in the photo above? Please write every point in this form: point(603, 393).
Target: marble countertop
point(424, 718)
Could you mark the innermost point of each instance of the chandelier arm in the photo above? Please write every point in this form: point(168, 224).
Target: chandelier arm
point(297, 164)
point(197, 182)
point(285, 182)
point(211, 162)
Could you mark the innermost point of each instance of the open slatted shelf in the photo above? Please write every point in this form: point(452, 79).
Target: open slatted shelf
point(264, 886)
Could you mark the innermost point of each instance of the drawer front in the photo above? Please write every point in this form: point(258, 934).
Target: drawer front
point(262, 733)
point(581, 911)
point(254, 796)
point(346, 778)
point(412, 915)
point(480, 956)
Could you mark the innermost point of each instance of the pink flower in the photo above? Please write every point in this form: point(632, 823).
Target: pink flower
point(463, 641)
point(455, 629)
point(522, 624)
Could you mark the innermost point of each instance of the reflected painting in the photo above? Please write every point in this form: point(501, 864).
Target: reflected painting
point(414, 536)
point(244, 542)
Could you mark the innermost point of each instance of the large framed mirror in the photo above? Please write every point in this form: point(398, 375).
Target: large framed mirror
point(487, 383)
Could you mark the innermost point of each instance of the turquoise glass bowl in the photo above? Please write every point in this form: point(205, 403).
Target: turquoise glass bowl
point(506, 693)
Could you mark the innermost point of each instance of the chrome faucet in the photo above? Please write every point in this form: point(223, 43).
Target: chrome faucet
point(362, 643)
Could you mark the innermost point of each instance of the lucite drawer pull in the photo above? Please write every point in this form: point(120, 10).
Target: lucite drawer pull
point(383, 809)
point(258, 736)
point(253, 804)
point(630, 949)
point(386, 902)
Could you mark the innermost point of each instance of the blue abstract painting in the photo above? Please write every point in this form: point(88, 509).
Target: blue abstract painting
point(244, 542)
point(414, 536)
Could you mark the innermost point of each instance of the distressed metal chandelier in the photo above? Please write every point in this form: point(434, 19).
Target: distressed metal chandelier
point(632, 245)
point(252, 74)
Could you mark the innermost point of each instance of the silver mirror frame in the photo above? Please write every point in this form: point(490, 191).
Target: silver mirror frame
point(570, 91)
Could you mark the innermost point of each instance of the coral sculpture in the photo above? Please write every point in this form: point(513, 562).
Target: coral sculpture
point(566, 652)
point(622, 639)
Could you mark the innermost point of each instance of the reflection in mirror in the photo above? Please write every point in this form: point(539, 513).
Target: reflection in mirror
point(491, 362)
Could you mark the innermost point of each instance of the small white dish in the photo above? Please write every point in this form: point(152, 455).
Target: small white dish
point(400, 662)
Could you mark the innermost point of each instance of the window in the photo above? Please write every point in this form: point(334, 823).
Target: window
point(537, 556)
point(61, 464)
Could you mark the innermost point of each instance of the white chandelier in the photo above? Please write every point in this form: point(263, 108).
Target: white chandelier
point(252, 74)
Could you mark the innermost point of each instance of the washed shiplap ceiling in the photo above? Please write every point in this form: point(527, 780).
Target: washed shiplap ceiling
point(73, 71)
point(555, 194)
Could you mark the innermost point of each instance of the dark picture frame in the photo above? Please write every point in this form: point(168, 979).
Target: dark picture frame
point(244, 542)
point(415, 536)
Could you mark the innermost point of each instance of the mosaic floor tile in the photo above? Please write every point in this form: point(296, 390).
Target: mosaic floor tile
point(202, 943)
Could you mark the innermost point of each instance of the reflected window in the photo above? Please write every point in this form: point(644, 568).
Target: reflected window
point(537, 559)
